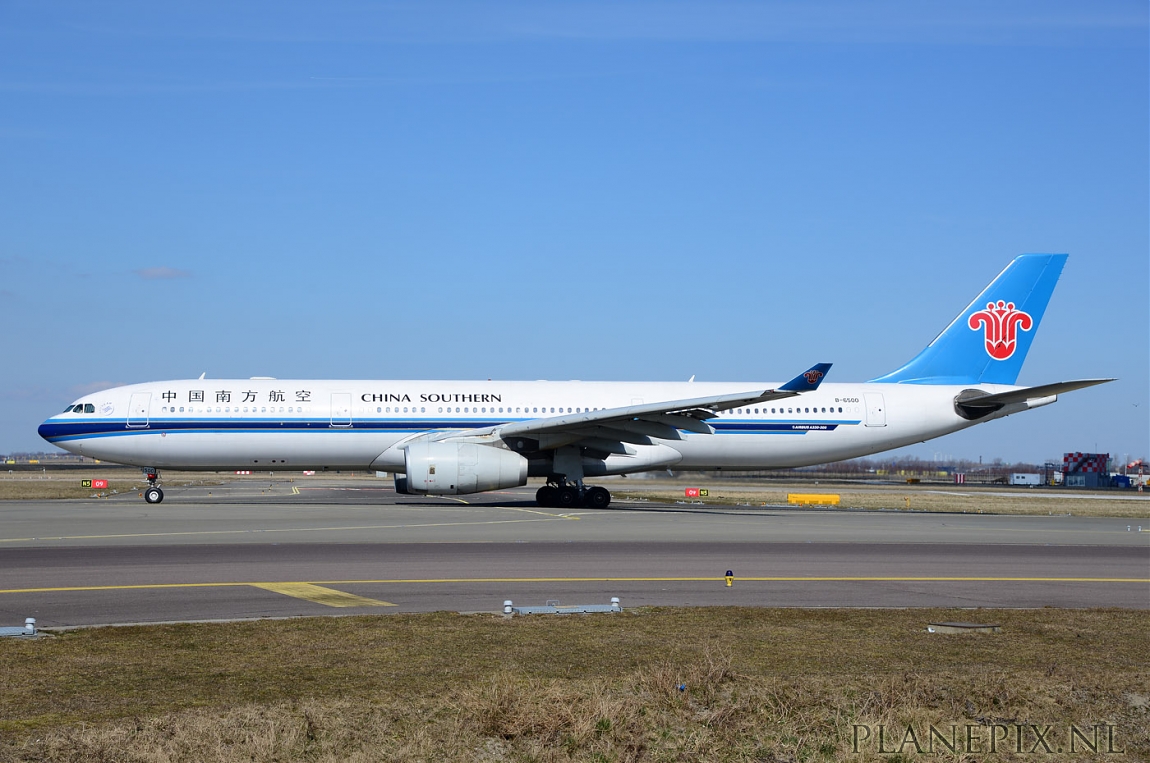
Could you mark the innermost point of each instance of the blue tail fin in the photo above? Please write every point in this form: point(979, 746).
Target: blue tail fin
point(988, 341)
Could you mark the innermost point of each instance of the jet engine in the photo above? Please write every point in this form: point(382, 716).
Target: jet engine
point(454, 468)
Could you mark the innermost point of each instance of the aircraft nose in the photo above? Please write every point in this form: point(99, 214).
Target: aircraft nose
point(46, 429)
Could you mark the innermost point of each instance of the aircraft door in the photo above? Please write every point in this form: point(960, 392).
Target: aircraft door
point(341, 409)
point(138, 409)
point(875, 410)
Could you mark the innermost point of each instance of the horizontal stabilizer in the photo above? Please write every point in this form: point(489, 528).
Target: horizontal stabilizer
point(1029, 393)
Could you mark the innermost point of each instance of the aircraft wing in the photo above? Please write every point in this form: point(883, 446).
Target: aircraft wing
point(608, 429)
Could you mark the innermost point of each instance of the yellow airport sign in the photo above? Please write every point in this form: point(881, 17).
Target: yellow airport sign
point(813, 499)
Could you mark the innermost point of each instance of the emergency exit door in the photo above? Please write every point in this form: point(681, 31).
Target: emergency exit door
point(875, 410)
point(341, 409)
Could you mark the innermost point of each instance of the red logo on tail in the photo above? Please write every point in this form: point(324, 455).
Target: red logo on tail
point(1001, 323)
point(813, 376)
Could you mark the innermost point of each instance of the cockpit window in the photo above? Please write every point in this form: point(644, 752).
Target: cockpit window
point(89, 408)
point(78, 409)
point(68, 409)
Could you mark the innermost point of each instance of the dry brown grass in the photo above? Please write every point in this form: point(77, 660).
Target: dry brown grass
point(48, 485)
point(759, 684)
point(912, 498)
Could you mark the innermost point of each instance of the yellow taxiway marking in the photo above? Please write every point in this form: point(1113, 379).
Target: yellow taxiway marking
point(295, 490)
point(320, 595)
point(278, 587)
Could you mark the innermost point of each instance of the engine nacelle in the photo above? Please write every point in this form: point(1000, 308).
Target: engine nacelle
point(453, 468)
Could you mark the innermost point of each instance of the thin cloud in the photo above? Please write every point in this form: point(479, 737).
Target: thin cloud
point(162, 274)
point(79, 390)
point(879, 21)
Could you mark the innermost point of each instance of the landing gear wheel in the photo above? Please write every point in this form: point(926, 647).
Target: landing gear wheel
point(566, 498)
point(597, 498)
point(153, 495)
point(545, 496)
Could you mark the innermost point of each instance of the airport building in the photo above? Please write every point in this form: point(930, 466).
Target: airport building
point(1086, 470)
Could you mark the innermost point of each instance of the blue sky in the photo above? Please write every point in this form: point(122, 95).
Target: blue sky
point(600, 190)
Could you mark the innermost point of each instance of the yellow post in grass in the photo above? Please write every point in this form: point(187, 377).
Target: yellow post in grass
point(813, 499)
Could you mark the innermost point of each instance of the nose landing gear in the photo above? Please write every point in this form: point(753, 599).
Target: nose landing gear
point(153, 493)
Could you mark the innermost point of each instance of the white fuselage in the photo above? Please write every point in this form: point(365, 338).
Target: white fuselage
point(310, 424)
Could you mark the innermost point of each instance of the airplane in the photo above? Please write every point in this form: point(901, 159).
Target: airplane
point(462, 437)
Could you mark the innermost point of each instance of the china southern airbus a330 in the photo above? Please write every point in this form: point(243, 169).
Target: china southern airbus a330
point(448, 437)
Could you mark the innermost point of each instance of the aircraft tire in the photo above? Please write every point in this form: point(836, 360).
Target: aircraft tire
point(153, 495)
point(545, 496)
point(597, 498)
point(566, 498)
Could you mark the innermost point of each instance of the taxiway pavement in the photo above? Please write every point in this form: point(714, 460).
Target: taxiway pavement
point(252, 549)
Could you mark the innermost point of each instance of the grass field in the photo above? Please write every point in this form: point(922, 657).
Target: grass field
point(37, 486)
point(998, 500)
point(707, 684)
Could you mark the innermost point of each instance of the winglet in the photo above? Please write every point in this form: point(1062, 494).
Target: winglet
point(809, 380)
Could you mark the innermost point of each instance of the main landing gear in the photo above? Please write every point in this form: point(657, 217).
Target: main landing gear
point(153, 494)
point(562, 495)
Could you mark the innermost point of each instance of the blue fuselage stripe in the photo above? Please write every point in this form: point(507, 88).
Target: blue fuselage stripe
point(66, 430)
